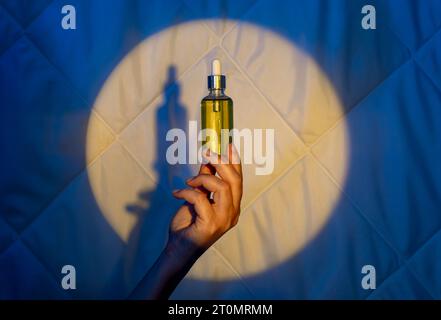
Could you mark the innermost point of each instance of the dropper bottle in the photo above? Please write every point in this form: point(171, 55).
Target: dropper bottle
point(217, 112)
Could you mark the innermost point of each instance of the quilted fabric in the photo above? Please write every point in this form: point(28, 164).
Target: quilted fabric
point(357, 179)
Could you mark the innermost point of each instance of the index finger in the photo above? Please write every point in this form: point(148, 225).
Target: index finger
point(207, 169)
point(234, 158)
point(229, 174)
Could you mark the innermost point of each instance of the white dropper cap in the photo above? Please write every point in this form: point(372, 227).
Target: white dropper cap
point(216, 67)
point(216, 80)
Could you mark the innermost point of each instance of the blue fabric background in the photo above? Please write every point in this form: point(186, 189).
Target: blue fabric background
point(49, 79)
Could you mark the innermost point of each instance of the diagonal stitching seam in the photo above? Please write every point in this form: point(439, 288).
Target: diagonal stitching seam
point(29, 23)
point(428, 76)
point(75, 176)
point(228, 264)
point(242, 72)
point(222, 256)
point(141, 166)
point(356, 207)
point(385, 239)
point(326, 131)
point(20, 26)
point(69, 84)
point(253, 85)
point(411, 59)
point(20, 31)
point(65, 185)
point(43, 265)
point(401, 261)
point(247, 11)
point(265, 99)
point(152, 101)
point(341, 118)
point(406, 266)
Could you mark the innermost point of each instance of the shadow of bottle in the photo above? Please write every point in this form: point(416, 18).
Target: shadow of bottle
point(155, 207)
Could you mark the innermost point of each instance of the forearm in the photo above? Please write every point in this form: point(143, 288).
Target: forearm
point(169, 269)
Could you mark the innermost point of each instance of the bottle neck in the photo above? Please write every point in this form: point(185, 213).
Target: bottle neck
point(216, 92)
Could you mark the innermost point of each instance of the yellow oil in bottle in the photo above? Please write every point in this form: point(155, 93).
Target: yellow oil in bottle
point(217, 113)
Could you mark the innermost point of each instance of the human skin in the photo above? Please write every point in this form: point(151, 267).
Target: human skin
point(197, 224)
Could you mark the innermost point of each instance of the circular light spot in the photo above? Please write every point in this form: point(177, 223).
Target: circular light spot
point(274, 85)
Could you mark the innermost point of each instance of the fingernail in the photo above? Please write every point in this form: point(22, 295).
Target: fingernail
point(176, 190)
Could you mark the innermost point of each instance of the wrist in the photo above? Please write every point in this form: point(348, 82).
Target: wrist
point(182, 251)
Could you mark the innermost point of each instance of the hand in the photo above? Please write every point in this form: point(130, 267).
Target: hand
point(202, 220)
point(197, 224)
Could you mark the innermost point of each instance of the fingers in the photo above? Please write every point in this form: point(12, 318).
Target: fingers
point(196, 198)
point(235, 158)
point(213, 158)
point(224, 205)
point(221, 189)
point(207, 169)
point(232, 174)
point(221, 165)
